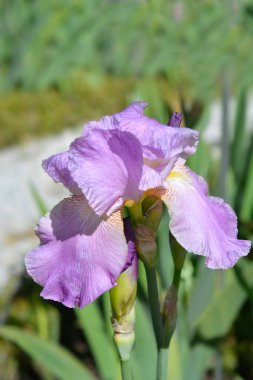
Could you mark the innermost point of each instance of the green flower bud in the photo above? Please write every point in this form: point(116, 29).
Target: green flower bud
point(153, 215)
point(122, 299)
point(145, 244)
point(146, 219)
point(123, 296)
point(178, 253)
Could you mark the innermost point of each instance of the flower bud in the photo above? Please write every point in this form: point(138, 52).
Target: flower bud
point(178, 253)
point(153, 215)
point(123, 295)
point(169, 313)
point(145, 229)
point(122, 299)
point(175, 119)
point(145, 244)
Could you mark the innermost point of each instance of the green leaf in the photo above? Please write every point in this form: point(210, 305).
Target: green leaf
point(37, 199)
point(49, 355)
point(224, 305)
point(144, 354)
point(238, 144)
point(197, 363)
point(100, 343)
point(201, 161)
point(176, 363)
point(201, 294)
point(247, 199)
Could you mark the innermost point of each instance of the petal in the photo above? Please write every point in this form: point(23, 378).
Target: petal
point(131, 265)
point(165, 146)
point(150, 179)
point(57, 168)
point(107, 165)
point(123, 119)
point(203, 225)
point(81, 254)
point(162, 145)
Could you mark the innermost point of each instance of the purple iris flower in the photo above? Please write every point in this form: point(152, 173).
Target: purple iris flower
point(84, 242)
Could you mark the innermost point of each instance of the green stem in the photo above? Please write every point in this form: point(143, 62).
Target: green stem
point(126, 370)
point(162, 364)
point(177, 277)
point(154, 305)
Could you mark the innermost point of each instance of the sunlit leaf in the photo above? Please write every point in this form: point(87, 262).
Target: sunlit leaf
point(49, 355)
point(100, 343)
point(198, 361)
point(145, 345)
point(225, 303)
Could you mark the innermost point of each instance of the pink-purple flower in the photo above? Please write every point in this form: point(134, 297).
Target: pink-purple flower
point(84, 242)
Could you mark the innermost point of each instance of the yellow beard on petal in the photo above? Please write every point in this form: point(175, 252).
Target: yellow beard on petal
point(178, 173)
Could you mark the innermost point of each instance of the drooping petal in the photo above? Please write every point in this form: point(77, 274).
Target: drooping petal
point(81, 255)
point(201, 224)
point(162, 145)
point(56, 167)
point(108, 166)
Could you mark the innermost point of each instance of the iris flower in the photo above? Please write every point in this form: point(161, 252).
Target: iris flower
point(84, 242)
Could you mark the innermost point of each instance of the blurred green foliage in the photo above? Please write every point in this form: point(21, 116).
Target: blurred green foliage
point(43, 43)
point(25, 115)
point(75, 50)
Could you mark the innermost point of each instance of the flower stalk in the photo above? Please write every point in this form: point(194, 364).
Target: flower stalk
point(162, 364)
point(146, 228)
point(154, 303)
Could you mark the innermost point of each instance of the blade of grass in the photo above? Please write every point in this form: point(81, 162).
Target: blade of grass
point(37, 199)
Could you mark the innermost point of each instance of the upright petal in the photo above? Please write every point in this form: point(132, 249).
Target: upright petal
point(107, 166)
point(56, 167)
point(81, 255)
point(150, 179)
point(162, 145)
point(123, 120)
point(201, 224)
point(165, 146)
